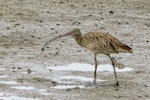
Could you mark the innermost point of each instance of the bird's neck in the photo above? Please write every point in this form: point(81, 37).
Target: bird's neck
point(78, 39)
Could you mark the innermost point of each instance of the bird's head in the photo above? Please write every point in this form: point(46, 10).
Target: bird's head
point(75, 32)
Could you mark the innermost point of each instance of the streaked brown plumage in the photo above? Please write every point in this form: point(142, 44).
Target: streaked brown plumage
point(97, 43)
point(103, 43)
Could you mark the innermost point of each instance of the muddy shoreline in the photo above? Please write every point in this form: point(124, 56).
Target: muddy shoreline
point(27, 25)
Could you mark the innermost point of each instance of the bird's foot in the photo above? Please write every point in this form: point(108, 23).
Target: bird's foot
point(94, 83)
point(117, 84)
point(91, 84)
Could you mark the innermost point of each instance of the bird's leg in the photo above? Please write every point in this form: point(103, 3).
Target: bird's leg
point(95, 60)
point(113, 64)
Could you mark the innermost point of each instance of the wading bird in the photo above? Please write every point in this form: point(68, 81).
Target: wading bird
point(97, 43)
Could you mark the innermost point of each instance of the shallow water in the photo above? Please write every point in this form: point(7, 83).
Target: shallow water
point(3, 76)
point(43, 91)
point(8, 96)
point(9, 82)
point(76, 78)
point(28, 73)
point(23, 87)
point(87, 67)
point(2, 69)
point(67, 86)
point(70, 82)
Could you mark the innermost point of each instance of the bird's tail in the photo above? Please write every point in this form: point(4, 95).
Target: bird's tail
point(129, 49)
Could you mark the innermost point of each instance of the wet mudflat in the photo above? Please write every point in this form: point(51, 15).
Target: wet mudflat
point(65, 70)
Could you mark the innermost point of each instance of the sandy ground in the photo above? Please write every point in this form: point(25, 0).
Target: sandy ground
point(25, 25)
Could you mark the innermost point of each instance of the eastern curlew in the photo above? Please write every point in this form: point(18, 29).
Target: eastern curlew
point(97, 43)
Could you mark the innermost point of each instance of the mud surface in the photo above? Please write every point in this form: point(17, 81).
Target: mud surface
point(25, 25)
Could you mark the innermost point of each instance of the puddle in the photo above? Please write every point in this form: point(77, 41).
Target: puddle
point(43, 92)
point(9, 82)
point(72, 82)
point(23, 87)
point(87, 67)
point(26, 64)
point(77, 78)
point(4, 94)
point(67, 87)
point(8, 96)
point(33, 73)
point(2, 69)
point(3, 76)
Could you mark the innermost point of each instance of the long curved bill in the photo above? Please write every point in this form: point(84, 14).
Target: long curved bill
point(60, 36)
